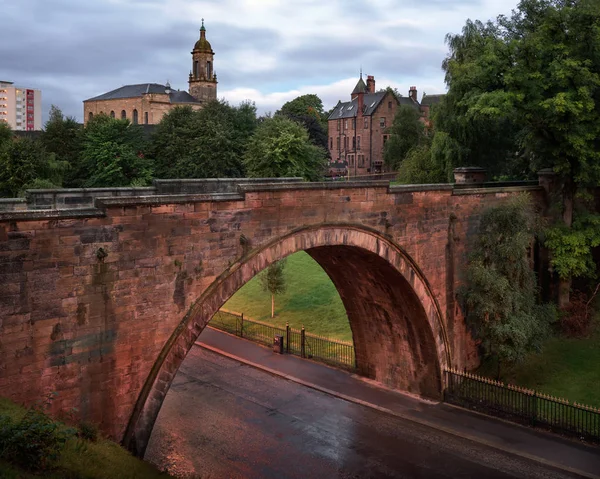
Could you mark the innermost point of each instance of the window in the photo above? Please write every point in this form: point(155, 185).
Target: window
point(90, 116)
point(112, 114)
point(385, 139)
point(338, 143)
point(361, 161)
point(135, 117)
point(366, 123)
point(146, 118)
point(331, 143)
point(389, 105)
point(208, 70)
point(358, 143)
point(123, 115)
point(345, 143)
point(382, 122)
point(354, 123)
point(339, 124)
point(196, 69)
point(351, 160)
point(345, 124)
point(354, 143)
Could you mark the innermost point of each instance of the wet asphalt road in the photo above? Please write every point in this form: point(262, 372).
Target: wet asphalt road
point(222, 419)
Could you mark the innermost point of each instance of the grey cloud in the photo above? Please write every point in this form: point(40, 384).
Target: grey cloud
point(76, 49)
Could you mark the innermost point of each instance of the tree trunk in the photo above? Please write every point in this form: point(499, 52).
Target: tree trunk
point(564, 285)
point(272, 306)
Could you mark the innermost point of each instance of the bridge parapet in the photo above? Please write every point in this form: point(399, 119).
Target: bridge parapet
point(84, 198)
point(92, 202)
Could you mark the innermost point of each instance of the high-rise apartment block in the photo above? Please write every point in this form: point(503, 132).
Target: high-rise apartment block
point(20, 107)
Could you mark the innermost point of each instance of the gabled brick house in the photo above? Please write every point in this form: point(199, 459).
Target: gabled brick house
point(358, 129)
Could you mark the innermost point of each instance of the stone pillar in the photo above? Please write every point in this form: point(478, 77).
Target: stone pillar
point(469, 174)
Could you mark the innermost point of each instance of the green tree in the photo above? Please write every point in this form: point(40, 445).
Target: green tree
point(5, 134)
point(281, 147)
point(63, 136)
point(406, 132)
point(474, 68)
point(24, 163)
point(418, 167)
point(536, 76)
point(273, 280)
point(500, 293)
point(113, 153)
point(209, 143)
point(309, 104)
point(307, 110)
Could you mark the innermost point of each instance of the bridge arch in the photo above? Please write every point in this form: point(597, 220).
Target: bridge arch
point(397, 324)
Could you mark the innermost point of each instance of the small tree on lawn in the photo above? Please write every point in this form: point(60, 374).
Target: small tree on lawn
point(273, 281)
point(501, 291)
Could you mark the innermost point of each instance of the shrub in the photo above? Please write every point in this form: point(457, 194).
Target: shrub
point(88, 431)
point(33, 442)
point(576, 320)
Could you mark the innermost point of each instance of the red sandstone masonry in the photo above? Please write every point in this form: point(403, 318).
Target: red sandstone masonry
point(91, 328)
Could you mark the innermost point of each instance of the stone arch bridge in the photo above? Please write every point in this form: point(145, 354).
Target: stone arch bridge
point(103, 292)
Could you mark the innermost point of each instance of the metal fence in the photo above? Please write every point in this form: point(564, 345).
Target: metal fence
point(522, 405)
point(297, 342)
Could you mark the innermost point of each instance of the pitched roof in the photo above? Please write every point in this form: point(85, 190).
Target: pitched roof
point(360, 87)
point(134, 91)
point(349, 109)
point(429, 100)
point(408, 101)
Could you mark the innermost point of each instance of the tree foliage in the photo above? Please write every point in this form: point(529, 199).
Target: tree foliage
point(209, 143)
point(418, 167)
point(281, 147)
point(406, 132)
point(24, 163)
point(524, 94)
point(572, 247)
point(475, 67)
point(500, 293)
point(5, 134)
point(303, 105)
point(113, 155)
point(63, 136)
point(307, 110)
point(273, 280)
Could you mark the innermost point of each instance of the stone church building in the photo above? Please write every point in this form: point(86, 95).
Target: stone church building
point(146, 103)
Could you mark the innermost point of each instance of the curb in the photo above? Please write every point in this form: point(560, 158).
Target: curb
point(421, 422)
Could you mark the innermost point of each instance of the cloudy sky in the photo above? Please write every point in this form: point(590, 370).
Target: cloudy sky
point(267, 51)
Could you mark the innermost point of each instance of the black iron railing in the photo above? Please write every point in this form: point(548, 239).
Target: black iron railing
point(522, 405)
point(297, 342)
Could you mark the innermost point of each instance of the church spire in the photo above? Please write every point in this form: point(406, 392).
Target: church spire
point(202, 80)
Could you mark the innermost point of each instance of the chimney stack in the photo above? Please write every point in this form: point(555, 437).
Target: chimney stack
point(371, 84)
point(412, 93)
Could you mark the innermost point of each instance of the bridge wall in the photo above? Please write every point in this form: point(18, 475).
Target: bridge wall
point(90, 297)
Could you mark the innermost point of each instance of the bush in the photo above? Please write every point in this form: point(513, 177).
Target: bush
point(576, 318)
point(88, 431)
point(33, 442)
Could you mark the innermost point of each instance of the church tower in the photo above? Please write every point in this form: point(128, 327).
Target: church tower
point(203, 79)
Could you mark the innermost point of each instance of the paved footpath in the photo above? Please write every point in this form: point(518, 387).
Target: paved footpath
point(546, 448)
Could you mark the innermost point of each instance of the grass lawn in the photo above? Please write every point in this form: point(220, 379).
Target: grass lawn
point(102, 459)
point(566, 368)
point(310, 300)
